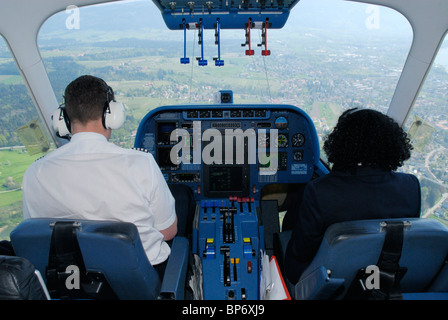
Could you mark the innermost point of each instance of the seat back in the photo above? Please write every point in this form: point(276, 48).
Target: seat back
point(348, 247)
point(110, 249)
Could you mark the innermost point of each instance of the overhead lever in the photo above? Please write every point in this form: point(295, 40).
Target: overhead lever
point(201, 60)
point(185, 59)
point(264, 38)
point(248, 26)
point(218, 61)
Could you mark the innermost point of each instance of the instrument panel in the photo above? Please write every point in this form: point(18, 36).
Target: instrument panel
point(226, 154)
point(230, 150)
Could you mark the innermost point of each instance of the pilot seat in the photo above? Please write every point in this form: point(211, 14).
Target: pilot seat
point(109, 256)
point(410, 256)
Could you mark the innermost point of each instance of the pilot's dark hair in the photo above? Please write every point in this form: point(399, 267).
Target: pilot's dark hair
point(85, 98)
point(367, 137)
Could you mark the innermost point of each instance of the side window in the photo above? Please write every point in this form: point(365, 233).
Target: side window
point(346, 56)
point(428, 126)
point(17, 115)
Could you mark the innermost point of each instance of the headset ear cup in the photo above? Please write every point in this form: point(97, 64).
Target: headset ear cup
point(61, 122)
point(113, 115)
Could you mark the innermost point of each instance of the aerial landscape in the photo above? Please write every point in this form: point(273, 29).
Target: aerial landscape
point(318, 65)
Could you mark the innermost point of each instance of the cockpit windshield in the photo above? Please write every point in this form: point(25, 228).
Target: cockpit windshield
point(322, 60)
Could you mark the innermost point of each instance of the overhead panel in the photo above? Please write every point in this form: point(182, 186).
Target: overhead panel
point(232, 14)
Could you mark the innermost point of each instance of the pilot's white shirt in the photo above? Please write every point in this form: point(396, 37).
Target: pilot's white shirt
point(91, 178)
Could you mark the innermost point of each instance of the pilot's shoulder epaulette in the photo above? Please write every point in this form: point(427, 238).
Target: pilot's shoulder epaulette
point(39, 158)
point(141, 149)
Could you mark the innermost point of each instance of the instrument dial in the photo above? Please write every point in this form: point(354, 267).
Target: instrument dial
point(298, 140)
point(282, 141)
point(298, 155)
point(281, 123)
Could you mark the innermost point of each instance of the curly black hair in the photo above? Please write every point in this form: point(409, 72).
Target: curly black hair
point(85, 98)
point(367, 137)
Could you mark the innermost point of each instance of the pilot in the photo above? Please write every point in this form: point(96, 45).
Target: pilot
point(366, 147)
point(91, 178)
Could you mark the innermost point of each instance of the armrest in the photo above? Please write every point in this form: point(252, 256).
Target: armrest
point(317, 286)
point(173, 284)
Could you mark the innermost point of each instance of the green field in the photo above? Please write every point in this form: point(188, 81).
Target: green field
point(13, 163)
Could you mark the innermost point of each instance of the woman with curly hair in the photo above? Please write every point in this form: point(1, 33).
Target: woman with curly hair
point(365, 148)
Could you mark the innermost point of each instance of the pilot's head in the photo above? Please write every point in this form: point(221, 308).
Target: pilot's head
point(90, 101)
point(85, 98)
point(369, 138)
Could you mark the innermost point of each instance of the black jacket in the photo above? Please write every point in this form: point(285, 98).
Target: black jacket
point(363, 193)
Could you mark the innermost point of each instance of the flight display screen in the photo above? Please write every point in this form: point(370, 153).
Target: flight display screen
point(225, 179)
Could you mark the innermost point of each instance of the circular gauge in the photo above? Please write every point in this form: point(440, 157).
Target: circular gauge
point(282, 141)
point(298, 140)
point(281, 123)
point(298, 155)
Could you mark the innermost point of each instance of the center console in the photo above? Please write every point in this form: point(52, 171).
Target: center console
point(227, 154)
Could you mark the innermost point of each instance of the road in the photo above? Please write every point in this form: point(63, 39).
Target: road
point(10, 190)
point(431, 210)
point(428, 168)
point(13, 147)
